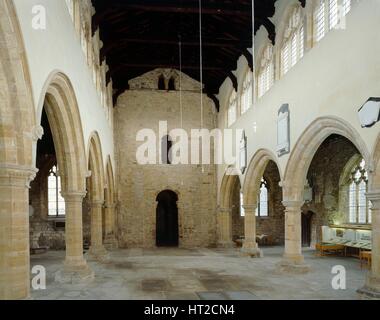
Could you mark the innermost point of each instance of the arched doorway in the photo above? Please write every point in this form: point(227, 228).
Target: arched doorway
point(167, 219)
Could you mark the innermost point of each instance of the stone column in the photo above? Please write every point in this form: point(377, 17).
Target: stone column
point(371, 288)
point(250, 246)
point(75, 266)
point(14, 232)
point(97, 250)
point(110, 241)
point(293, 260)
point(225, 228)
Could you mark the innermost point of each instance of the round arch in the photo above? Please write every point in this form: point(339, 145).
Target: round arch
point(63, 115)
point(306, 147)
point(255, 173)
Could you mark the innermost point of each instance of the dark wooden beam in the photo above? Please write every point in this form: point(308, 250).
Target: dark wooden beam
point(215, 100)
point(233, 80)
point(249, 58)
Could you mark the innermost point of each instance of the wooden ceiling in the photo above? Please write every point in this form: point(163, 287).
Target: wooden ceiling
point(139, 36)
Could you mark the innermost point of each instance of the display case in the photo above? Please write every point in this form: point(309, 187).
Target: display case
point(355, 238)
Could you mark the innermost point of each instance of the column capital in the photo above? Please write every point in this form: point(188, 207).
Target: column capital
point(16, 175)
point(297, 204)
point(224, 210)
point(73, 196)
point(96, 203)
point(249, 207)
point(374, 197)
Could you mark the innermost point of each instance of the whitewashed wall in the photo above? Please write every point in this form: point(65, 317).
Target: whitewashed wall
point(58, 48)
point(334, 78)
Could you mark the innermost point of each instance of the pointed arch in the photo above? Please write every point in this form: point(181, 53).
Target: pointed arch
point(110, 182)
point(17, 116)
point(306, 147)
point(63, 115)
point(226, 190)
point(95, 163)
point(255, 173)
point(374, 166)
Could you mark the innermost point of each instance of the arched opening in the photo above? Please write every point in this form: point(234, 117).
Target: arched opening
point(335, 188)
point(171, 84)
point(167, 219)
point(47, 208)
point(161, 83)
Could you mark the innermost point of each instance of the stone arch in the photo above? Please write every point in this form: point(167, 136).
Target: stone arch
point(95, 162)
point(374, 167)
point(110, 181)
point(254, 174)
point(17, 117)
point(228, 183)
point(63, 115)
point(306, 147)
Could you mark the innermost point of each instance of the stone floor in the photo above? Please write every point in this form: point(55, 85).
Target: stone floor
point(221, 274)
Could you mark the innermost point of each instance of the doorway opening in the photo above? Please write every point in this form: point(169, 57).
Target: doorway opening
point(306, 228)
point(167, 219)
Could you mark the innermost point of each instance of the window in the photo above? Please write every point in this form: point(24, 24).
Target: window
point(171, 85)
point(358, 204)
point(161, 83)
point(346, 6)
point(293, 47)
point(266, 74)
point(246, 96)
point(166, 146)
point(262, 207)
point(232, 109)
point(56, 204)
point(328, 15)
point(242, 212)
point(320, 21)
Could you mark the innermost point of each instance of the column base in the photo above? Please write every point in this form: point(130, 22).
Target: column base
point(110, 242)
point(293, 264)
point(99, 254)
point(371, 289)
point(252, 250)
point(74, 271)
point(226, 244)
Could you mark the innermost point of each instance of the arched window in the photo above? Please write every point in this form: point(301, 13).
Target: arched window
point(232, 109)
point(358, 205)
point(328, 14)
point(171, 85)
point(166, 146)
point(266, 73)
point(161, 83)
point(56, 204)
point(262, 206)
point(246, 96)
point(293, 46)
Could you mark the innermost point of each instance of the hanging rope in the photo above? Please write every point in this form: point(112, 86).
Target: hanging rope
point(253, 52)
point(180, 81)
point(201, 59)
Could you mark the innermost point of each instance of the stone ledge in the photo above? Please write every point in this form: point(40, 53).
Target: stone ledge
point(292, 268)
point(74, 277)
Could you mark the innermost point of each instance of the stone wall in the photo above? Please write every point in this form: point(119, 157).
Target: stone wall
point(138, 185)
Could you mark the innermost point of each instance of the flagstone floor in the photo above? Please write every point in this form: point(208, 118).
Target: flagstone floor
point(182, 274)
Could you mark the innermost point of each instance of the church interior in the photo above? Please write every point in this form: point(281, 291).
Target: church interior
point(189, 150)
